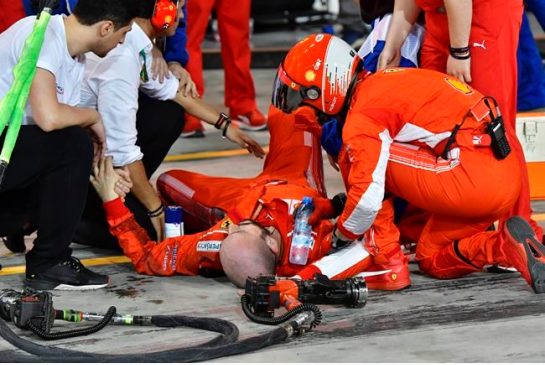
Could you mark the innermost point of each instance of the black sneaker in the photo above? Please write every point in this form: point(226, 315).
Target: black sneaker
point(15, 242)
point(67, 275)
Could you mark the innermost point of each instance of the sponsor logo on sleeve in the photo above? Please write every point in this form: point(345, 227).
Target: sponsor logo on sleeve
point(208, 246)
point(170, 257)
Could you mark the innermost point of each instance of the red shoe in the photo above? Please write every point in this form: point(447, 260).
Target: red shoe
point(252, 121)
point(397, 278)
point(193, 127)
point(523, 251)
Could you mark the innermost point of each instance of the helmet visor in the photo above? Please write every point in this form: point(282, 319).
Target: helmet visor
point(287, 95)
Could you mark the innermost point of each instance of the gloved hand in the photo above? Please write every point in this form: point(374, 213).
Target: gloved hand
point(338, 240)
point(327, 208)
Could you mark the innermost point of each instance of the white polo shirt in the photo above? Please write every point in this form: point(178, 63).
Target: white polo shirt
point(111, 86)
point(54, 57)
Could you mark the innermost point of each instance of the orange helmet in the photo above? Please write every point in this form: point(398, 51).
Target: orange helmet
point(318, 71)
point(165, 14)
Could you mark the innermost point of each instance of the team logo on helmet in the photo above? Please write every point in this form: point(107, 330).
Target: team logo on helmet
point(310, 75)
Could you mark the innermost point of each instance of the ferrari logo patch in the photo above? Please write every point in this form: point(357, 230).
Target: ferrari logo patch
point(226, 223)
point(392, 70)
point(459, 85)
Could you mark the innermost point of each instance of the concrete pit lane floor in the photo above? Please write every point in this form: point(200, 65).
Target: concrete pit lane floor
point(483, 317)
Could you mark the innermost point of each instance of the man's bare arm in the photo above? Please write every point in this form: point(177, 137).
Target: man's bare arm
point(48, 113)
point(146, 194)
point(208, 114)
point(459, 13)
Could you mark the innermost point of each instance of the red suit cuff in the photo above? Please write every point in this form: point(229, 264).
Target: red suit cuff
point(115, 209)
point(308, 272)
point(351, 236)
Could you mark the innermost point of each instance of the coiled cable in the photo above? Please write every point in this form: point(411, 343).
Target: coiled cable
point(244, 301)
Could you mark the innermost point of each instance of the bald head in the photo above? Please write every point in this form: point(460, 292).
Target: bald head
point(245, 253)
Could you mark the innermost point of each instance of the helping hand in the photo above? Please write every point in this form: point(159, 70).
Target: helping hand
point(338, 240)
point(98, 137)
point(123, 186)
point(159, 67)
point(104, 179)
point(186, 83)
point(389, 58)
point(333, 162)
point(235, 135)
point(159, 225)
point(327, 208)
point(460, 69)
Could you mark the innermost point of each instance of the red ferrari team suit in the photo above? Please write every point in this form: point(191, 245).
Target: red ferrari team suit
point(398, 125)
point(234, 29)
point(493, 41)
point(293, 169)
point(294, 153)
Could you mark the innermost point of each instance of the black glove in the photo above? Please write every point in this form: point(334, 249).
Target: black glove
point(338, 241)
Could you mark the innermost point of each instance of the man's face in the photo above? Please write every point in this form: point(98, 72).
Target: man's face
point(262, 236)
point(249, 250)
point(110, 37)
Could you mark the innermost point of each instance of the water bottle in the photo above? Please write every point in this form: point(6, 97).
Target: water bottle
point(174, 222)
point(301, 239)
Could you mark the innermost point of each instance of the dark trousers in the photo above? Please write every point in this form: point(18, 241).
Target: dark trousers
point(159, 123)
point(45, 185)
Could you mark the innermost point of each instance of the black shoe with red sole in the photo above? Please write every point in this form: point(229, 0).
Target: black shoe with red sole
point(522, 233)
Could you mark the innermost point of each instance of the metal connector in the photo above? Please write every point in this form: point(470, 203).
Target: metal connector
point(300, 324)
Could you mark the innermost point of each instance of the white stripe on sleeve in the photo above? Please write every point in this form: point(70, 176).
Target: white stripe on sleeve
point(364, 213)
point(342, 260)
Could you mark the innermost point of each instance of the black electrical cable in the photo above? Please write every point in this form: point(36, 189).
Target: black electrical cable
point(44, 335)
point(244, 301)
point(211, 350)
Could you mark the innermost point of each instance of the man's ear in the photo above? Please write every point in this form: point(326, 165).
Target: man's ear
point(106, 27)
point(273, 245)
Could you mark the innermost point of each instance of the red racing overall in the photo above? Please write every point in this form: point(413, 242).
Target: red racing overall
point(397, 128)
point(495, 26)
point(268, 199)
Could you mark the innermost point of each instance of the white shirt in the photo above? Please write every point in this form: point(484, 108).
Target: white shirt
point(54, 57)
point(410, 47)
point(111, 86)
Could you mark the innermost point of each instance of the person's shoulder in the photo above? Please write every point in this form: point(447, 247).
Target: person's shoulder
point(398, 76)
point(119, 63)
point(56, 27)
point(20, 30)
point(55, 34)
point(119, 57)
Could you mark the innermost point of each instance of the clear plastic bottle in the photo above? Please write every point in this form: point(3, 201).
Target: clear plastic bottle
point(301, 239)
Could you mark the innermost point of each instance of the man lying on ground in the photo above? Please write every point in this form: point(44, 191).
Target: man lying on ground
point(255, 236)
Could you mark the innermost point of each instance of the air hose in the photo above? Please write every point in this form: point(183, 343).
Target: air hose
point(45, 335)
point(244, 300)
point(225, 345)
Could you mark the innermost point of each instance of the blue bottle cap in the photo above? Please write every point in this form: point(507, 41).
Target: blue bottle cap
point(173, 214)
